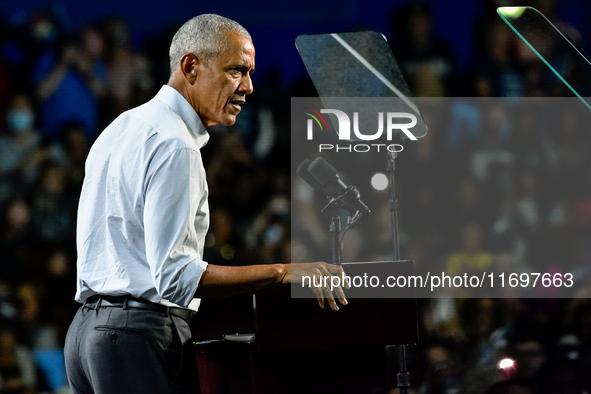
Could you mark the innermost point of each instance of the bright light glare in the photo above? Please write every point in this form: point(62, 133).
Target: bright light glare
point(512, 12)
point(506, 363)
point(379, 181)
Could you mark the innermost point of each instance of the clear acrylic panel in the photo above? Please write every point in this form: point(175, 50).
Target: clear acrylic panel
point(552, 47)
point(355, 65)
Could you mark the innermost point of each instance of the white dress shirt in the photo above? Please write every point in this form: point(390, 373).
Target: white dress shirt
point(143, 211)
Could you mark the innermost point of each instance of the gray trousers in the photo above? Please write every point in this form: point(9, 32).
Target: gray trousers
point(113, 350)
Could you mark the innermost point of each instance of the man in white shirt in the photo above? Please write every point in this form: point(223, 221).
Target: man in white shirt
point(142, 220)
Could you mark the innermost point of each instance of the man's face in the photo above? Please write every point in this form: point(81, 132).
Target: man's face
point(222, 84)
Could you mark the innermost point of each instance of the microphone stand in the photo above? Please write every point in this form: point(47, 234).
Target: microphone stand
point(403, 376)
point(331, 211)
point(335, 229)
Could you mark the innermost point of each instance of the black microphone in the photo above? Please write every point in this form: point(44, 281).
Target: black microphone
point(309, 178)
point(328, 177)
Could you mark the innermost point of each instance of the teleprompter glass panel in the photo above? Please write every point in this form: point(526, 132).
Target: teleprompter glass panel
point(552, 47)
point(354, 65)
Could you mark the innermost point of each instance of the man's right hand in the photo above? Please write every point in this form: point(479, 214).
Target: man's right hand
point(223, 281)
point(319, 273)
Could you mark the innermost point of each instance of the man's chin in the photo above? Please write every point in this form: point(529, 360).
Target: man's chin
point(228, 120)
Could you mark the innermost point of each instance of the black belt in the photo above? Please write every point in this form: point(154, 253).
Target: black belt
point(99, 301)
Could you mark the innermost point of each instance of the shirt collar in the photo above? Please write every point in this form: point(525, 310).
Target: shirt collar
point(172, 98)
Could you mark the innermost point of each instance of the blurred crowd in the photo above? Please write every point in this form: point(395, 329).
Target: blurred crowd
point(498, 185)
point(493, 194)
point(510, 193)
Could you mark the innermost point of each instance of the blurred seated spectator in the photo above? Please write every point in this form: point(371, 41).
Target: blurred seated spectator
point(496, 71)
point(17, 366)
point(235, 177)
point(8, 305)
point(15, 240)
point(70, 85)
point(270, 231)
point(470, 258)
point(518, 216)
point(18, 145)
point(577, 315)
point(30, 311)
point(57, 272)
point(53, 208)
point(427, 61)
point(464, 126)
point(467, 204)
point(491, 151)
point(129, 81)
point(74, 148)
point(569, 151)
point(221, 240)
point(479, 323)
point(528, 349)
point(443, 370)
point(440, 320)
point(23, 149)
point(531, 144)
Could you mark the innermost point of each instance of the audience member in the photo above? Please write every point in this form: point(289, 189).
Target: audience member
point(71, 84)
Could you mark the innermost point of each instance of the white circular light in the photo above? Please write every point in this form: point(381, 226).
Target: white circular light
point(506, 363)
point(379, 181)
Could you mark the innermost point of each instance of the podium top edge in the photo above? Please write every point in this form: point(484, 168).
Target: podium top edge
point(376, 262)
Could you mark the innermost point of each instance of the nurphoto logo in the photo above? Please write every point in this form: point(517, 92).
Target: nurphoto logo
point(393, 123)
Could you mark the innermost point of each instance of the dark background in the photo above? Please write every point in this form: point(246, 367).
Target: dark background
point(275, 25)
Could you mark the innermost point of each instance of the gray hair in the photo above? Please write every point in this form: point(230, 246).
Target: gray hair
point(204, 36)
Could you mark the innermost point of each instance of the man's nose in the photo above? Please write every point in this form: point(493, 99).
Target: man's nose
point(246, 85)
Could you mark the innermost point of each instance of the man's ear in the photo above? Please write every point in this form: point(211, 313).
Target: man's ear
point(189, 67)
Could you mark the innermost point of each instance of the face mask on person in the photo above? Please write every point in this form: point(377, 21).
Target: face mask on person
point(20, 119)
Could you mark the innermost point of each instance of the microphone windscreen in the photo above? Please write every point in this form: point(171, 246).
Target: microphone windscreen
point(305, 174)
point(322, 171)
point(303, 167)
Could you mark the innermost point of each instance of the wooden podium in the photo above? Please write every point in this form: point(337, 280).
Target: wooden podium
point(298, 347)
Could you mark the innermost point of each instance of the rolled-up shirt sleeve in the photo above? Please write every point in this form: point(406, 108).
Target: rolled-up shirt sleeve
point(175, 194)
